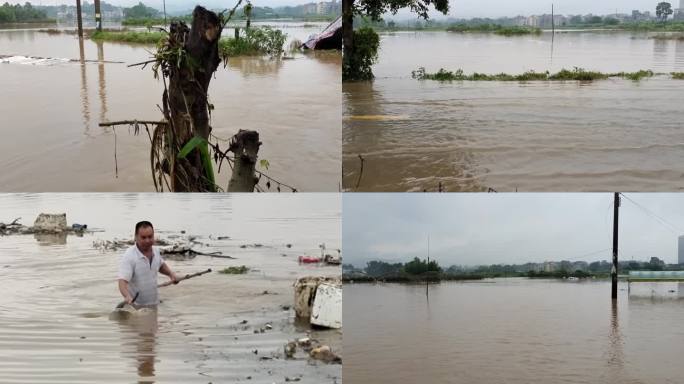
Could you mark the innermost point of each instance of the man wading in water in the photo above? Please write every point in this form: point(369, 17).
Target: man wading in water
point(138, 269)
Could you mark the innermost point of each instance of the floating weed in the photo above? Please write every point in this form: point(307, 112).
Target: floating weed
point(235, 270)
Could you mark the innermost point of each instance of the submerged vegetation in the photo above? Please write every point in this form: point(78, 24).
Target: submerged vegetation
point(495, 28)
point(128, 36)
point(577, 74)
point(256, 41)
point(235, 270)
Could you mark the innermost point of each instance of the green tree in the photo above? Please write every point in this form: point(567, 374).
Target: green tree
point(381, 269)
point(140, 11)
point(419, 267)
point(374, 9)
point(663, 10)
point(576, 20)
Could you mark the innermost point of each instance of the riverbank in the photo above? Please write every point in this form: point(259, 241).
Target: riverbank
point(409, 279)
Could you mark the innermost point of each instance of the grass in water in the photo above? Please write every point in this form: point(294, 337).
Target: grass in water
point(678, 75)
point(577, 74)
point(128, 37)
point(235, 270)
point(494, 28)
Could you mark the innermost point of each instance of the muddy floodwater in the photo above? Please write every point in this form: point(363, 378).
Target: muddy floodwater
point(59, 292)
point(52, 110)
point(513, 331)
point(532, 136)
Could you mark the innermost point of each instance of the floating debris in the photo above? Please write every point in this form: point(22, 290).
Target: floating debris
point(235, 270)
point(329, 308)
point(325, 354)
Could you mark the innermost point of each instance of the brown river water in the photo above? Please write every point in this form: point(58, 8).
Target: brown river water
point(51, 112)
point(535, 136)
point(513, 331)
point(58, 293)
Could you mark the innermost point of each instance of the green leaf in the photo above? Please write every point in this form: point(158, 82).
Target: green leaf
point(190, 145)
point(264, 164)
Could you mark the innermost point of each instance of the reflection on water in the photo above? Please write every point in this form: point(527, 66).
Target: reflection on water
point(101, 81)
point(255, 65)
point(138, 341)
point(528, 136)
point(274, 97)
point(615, 352)
point(51, 238)
point(509, 330)
point(85, 105)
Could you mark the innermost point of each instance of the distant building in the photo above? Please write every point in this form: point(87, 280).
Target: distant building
point(680, 258)
point(679, 12)
point(550, 266)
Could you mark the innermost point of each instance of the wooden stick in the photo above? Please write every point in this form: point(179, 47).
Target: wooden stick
point(131, 122)
point(184, 278)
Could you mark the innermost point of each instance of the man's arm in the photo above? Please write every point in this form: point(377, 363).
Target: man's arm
point(166, 270)
point(123, 288)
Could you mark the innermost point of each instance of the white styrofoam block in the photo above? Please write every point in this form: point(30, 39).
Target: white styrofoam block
point(327, 306)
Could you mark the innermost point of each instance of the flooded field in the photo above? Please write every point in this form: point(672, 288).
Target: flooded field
point(54, 325)
point(533, 136)
point(55, 109)
point(513, 331)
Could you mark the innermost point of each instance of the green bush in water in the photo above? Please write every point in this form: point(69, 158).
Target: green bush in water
point(364, 53)
point(678, 75)
point(257, 41)
point(577, 74)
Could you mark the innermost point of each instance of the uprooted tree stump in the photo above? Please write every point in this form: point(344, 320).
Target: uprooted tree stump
point(189, 59)
point(180, 156)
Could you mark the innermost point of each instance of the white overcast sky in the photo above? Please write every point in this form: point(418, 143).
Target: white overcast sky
point(175, 4)
point(459, 8)
point(476, 229)
point(499, 8)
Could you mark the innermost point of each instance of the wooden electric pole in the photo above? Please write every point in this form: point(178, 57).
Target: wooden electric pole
point(614, 270)
point(78, 18)
point(98, 16)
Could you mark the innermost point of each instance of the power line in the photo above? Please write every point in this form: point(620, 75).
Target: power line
point(664, 222)
point(588, 254)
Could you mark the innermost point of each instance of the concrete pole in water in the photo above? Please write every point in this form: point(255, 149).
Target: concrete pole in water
point(98, 16)
point(427, 287)
point(78, 18)
point(614, 269)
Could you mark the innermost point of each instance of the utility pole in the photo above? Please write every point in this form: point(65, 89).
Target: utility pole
point(614, 270)
point(98, 16)
point(427, 271)
point(78, 18)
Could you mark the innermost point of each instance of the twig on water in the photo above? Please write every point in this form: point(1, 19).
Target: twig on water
point(131, 122)
point(358, 182)
point(116, 162)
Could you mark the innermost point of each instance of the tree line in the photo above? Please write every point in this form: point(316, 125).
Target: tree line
point(18, 13)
